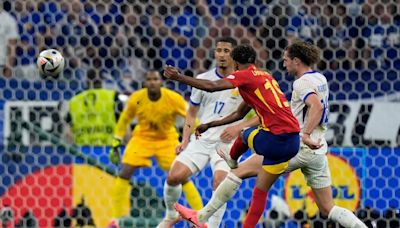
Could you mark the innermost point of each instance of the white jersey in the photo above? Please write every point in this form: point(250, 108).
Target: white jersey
point(214, 106)
point(311, 83)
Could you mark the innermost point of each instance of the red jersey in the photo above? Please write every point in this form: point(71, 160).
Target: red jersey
point(261, 91)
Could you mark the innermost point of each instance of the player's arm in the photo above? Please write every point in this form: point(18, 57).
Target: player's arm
point(123, 121)
point(202, 84)
point(315, 110)
point(253, 121)
point(190, 120)
point(188, 127)
point(239, 114)
point(232, 132)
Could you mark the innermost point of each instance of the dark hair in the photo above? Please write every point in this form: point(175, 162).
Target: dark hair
point(230, 40)
point(308, 53)
point(244, 54)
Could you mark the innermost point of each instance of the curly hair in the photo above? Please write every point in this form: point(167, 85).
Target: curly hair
point(308, 53)
point(244, 54)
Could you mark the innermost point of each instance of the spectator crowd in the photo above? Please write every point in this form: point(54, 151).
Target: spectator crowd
point(124, 38)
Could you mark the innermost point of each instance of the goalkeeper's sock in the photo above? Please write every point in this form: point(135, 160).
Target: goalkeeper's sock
point(224, 192)
point(238, 148)
point(171, 196)
point(120, 197)
point(192, 195)
point(345, 218)
point(257, 206)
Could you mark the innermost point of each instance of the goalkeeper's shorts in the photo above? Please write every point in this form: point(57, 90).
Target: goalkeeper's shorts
point(138, 152)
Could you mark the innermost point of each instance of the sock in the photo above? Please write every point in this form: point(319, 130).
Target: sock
point(171, 196)
point(120, 197)
point(192, 195)
point(258, 201)
point(345, 218)
point(216, 219)
point(224, 192)
point(238, 148)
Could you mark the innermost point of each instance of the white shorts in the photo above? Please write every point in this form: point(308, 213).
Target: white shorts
point(198, 154)
point(314, 167)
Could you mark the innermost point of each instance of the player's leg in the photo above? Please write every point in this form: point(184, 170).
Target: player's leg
point(220, 171)
point(165, 156)
point(264, 182)
point(239, 147)
point(277, 151)
point(226, 189)
point(343, 216)
point(216, 218)
point(121, 190)
point(249, 168)
point(319, 179)
point(137, 154)
point(185, 165)
point(297, 162)
point(177, 175)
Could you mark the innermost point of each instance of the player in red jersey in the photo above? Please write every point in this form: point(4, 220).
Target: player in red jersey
point(276, 139)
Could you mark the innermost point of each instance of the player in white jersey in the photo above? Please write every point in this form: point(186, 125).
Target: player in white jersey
point(309, 104)
point(194, 154)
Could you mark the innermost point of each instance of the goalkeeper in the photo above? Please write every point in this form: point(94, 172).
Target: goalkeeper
point(155, 135)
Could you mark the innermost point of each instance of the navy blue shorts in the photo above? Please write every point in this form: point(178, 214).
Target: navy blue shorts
point(276, 149)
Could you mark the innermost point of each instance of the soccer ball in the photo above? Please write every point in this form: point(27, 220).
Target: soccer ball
point(50, 63)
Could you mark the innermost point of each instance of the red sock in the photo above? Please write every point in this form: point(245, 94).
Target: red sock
point(258, 201)
point(238, 148)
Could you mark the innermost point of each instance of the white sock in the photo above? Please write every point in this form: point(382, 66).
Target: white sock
point(171, 196)
point(345, 218)
point(224, 192)
point(215, 220)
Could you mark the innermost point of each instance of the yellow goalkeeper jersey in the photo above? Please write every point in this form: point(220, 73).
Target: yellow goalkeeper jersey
point(155, 119)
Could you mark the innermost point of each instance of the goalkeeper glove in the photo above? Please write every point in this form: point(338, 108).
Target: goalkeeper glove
point(114, 151)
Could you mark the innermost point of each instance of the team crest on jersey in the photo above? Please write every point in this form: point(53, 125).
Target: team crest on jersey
point(345, 188)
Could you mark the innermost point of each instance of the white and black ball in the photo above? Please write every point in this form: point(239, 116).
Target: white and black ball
point(50, 63)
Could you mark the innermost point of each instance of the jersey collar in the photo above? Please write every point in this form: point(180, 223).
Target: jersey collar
point(216, 73)
point(310, 72)
point(252, 67)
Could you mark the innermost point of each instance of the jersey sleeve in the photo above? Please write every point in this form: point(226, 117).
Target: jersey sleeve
point(196, 96)
point(126, 116)
point(180, 105)
point(238, 79)
point(303, 89)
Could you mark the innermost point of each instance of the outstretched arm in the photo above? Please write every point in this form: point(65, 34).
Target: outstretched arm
point(239, 114)
point(233, 132)
point(206, 85)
